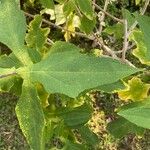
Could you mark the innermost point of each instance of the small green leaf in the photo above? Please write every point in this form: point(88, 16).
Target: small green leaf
point(36, 36)
point(130, 18)
point(31, 117)
point(74, 117)
point(141, 51)
point(6, 83)
point(35, 55)
point(73, 146)
point(86, 8)
point(47, 3)
point(121, 127)
point(68, 7)
point(137, 2)
point(116, 29)
point(9, 61)
point(135, 90)
point(138, 115)
point(144, 22)
point(69, 72)
point(17, 86)
point(87, 25)
point(88, 136)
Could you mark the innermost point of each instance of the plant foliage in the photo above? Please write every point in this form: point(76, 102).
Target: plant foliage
point(54, 80)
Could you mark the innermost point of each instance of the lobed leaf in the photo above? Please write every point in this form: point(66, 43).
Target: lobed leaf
point(31, 118)
point(13, 28)
point(135, 90)
point(9, 61)
point(37, 36)
point(69, 72)
point(141, 51)
point(12, 24)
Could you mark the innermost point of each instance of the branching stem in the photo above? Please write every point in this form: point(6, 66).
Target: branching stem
point(108, 14)
point(59, 27)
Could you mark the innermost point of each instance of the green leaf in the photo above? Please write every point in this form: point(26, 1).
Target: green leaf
point(47, 3)
point(12, 24)
point(74, 117)
point(87, 25)
point(130, 18)
point(37, 36)
point(138, 115)
point(144, 22)
point(68, 7)
point(135, 90)
point(31, 117)
point(111, 87)
point(137, 2)
point(116, 29)
point(6, 83)
point(9, 61)
point(141, 51)
point(17, 86)
point(121, 127)
point(73, 146)
point(35, 55)
point(88, 136)
point(60, 47)
point(69, 72)
point(13, 29)
point(86, 8)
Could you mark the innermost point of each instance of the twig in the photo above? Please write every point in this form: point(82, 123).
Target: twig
point(59, 27)
point(102, 17)
point(49, 41)
point(7, 75)
point(106, 48)
point(125, 43)
point(108, 14)
point(131, 46)
point(145, 7)
point(128, 32)
point(142, 12)
point(94, 1)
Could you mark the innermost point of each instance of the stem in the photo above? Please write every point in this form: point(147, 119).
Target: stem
point(59, 27)
point(125, 43)
point(106, 48)
point(142, 12)
point(128, 32)
point(103, 16)
point(108, 14)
